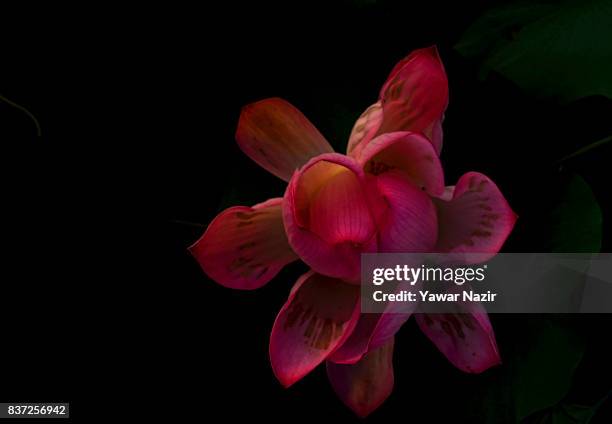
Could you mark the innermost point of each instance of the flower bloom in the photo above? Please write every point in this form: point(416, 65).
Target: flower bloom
point(387, 194)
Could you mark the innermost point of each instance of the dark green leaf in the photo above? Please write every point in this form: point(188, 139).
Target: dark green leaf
point(576, 222)
point(566, 413)
point(562, 50)
point(498, 26)
point(544, 371)
point(536, 372)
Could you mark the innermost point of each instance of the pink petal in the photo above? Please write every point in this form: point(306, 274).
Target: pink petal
point(478, 219)
point(465, 338)
point(327, 216)
point(318, 316)
point(371, 332)
point(435, 134)
point(278, 136)
point(411, 153)
point(244, 248)
point(374, 330)
point(448, 193)
point(358, 343)
point(410, 222)
point(415, 95)
point(388, 325)
point(413, 98)
point(365, 385)
point(365, 129)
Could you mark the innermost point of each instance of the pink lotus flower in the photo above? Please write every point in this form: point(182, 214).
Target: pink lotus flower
point(386, 194)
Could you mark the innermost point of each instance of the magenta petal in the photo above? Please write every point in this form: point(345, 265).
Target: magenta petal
point(415, 95)
point(388, 325)
point(374, 330)
point(435, 134)
point(327, 215)
point(413, 98)
point(339, 212)
point(243, 248)
point(318, 316)
point(410, 153)
point(365, 385)
point(365, 129)
point(465, 338)
point(371, 332)
point(358, 343)
point(477, 219)
point(410, 222)
point(278, 136)
point(447, 196)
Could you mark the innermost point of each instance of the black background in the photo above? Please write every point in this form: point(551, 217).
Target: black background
point(138, 110)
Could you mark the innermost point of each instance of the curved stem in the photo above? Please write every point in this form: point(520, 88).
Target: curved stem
point(587, 148)
point(24, 110)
